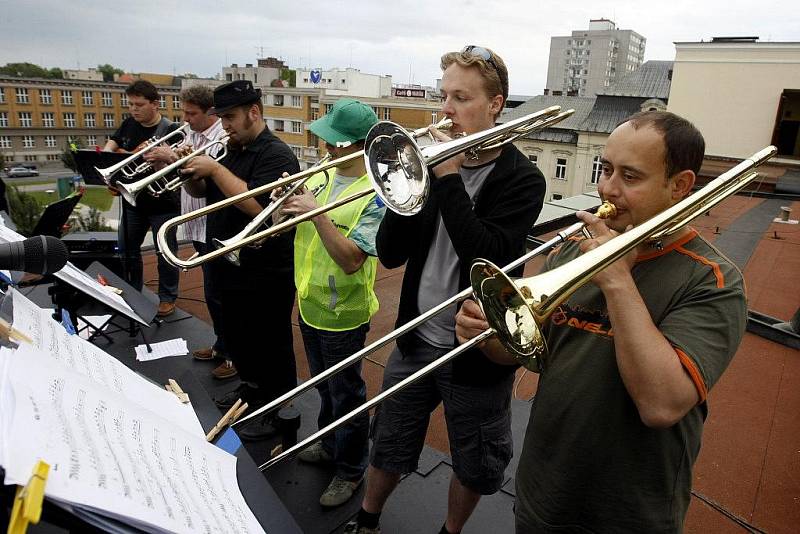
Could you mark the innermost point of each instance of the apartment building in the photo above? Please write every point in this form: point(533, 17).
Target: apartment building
point(39, 117)
point(589, 62)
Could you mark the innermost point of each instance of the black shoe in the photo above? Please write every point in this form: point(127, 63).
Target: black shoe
point(258, 428)
point(249, 394)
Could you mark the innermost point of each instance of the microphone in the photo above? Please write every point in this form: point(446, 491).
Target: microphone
point(39, 255)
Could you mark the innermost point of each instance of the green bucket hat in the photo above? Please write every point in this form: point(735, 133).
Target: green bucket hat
point(348, 121)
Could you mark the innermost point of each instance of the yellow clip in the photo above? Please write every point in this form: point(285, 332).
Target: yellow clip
point(28, 500)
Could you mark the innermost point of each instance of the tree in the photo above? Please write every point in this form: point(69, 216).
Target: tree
point(29, 70)
point(68, 154)
point(24, 210)
point(109, 71)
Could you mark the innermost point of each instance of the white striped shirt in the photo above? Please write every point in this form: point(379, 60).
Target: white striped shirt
point(196, 229)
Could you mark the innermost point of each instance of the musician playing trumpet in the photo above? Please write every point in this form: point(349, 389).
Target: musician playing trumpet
point(145, 122)
point(617, 420)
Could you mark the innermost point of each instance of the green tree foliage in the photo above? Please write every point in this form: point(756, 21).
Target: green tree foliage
point(109, 71)
point(68, 154)
point(29, 70)
point(25, 210)
point(91, 222)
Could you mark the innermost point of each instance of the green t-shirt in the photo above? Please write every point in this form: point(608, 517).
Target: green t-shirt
point(588, 463)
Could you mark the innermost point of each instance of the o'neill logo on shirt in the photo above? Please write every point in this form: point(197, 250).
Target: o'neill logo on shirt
point(593, 321)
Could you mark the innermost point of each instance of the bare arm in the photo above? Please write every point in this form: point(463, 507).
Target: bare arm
point(342, 250)
point(649, 366)
point(111, 146)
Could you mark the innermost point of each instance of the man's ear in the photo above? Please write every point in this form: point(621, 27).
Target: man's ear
point(496, 104)
point(681, 184)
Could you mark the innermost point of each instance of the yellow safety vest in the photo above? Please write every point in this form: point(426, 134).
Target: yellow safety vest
point(328, 298)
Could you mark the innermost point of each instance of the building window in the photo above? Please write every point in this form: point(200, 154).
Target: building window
point(30, 157)
point(87, 98)
point(162, 102)
point(53, 157)
point(45, 97)
point(297, 127)
point(125, 116)
point(22, 95)
point(176, 101)
point(108, 120)
point(50, 141)
point(314, 114)
point(106, 99)
point(297, 101)
point(534, 158)
point(88, 120)
point(328, 108)
point(28, 141)
point(5, 141)
point(3, 119)
point(597, 169)
point(25, 120)
point(177, 118)
point(298, 151)
point(556, 196)
point(434, 117)
point(66, 98)
point(376, 110)
point(387, 114)
point(278, 126)
point(91, 140)
point(123, 100)
point(561, 169)
point(49, 120)
point(2, 95)
point(277, 100)
point(69, 120)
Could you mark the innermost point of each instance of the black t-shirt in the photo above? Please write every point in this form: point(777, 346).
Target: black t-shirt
point(128, 137)
point(261, 162)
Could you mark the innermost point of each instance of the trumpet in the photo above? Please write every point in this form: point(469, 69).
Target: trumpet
point(169, 178)
point(131, 166)
point(516, 310)
point(249, 236)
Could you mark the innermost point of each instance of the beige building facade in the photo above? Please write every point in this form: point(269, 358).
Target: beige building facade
point(39, 117)
point(741, 93)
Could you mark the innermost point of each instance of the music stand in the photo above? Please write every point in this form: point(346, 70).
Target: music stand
point(88, 161)
point(55, 216)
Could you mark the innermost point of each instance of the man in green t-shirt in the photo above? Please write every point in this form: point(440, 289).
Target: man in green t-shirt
point(616, 423)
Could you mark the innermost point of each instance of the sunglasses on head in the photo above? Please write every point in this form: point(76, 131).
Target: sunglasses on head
point(481, 52)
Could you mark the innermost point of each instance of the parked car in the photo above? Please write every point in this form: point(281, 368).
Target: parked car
point(18, 172)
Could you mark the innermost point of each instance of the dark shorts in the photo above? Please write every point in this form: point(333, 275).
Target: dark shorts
point(478, 421)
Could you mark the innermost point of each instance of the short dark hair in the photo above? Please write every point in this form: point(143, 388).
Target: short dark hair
point(684, 145)
point(144, 89)
point(246, 107)
point(199, 95)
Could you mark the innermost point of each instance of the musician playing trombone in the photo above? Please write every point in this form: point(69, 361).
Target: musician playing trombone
point(617, 420)
point(480, 207)
point(204, 129)
point(335, 265)
point(144, 123)
point(257, 296)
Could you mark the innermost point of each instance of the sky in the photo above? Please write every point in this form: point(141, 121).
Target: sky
point(404, 39)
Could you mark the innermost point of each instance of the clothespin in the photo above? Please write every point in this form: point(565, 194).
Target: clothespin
point(176, 389)
point(10, 333)
point(230, 416)
point(66, 322)
point(28, 500)
point(104, 282)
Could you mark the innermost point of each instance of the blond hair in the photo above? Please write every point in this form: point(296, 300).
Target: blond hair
point(494, 73)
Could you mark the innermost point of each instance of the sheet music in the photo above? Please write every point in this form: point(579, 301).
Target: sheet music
point(80, 280)
point(92, 362)
point(162, 349)
point(108, 454)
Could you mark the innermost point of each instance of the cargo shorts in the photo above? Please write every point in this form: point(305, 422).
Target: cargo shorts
point(478, 420)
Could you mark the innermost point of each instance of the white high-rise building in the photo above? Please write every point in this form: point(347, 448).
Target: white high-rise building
point(589, 62)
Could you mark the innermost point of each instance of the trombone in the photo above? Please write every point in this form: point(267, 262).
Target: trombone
point(397, 168)
point(130, 167)
point(516, 310)
point(163, 180)
point(230, 248)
